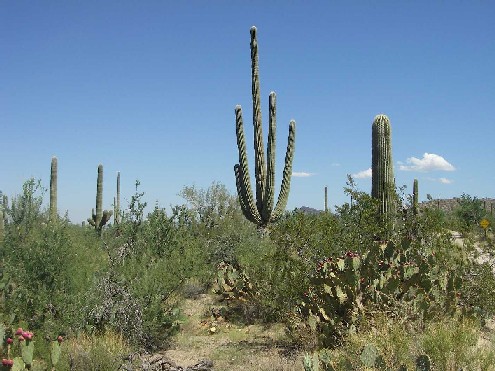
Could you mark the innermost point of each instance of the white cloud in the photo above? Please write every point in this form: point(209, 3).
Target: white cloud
point(362, 174)
point(301, 174)
point(429, 162)
point(441, 180)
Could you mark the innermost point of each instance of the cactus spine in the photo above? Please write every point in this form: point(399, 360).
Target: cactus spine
point(261, 211)
point(383, 181)
point(415, 197)
point(101, 217)
point(116, 202)
point(53, 189)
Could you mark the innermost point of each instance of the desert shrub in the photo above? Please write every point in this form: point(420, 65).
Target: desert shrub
point(418, 265)
point(107, 351)
point(44, 277)
point(449, 344)
point(468, 214)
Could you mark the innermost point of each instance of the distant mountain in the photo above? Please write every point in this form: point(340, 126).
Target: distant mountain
point(308, 210)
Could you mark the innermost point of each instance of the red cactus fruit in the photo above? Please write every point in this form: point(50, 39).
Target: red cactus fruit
point(10, 341)
point(60, 339)
point(21, 338)
point(28, 335)
point(19, 331)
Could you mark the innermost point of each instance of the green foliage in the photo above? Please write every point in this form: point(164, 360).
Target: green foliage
point(405, 344)
point(468, 213)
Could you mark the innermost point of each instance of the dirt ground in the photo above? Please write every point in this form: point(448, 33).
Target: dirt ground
point(206, 335)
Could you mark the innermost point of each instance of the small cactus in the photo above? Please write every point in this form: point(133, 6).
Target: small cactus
point(415, 197)
point(326, 199)
point(101, 217)
point(116, 202)
point(53, 189)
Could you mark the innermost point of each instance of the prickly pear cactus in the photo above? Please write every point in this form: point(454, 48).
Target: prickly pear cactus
point(18, 364)
point(341, 287)
point(27, 351)
point(311, 362)
point(55, 351)
point(370, 357)
point(231, 282)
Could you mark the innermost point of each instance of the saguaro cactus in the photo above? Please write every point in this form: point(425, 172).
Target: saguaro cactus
point(326, 199)
point(415, 197)
point(382, 170)
point(116, 202)
point(53, 189)
point(261, 211)
point(2, 226)
point(3, 214)
point(101, 217)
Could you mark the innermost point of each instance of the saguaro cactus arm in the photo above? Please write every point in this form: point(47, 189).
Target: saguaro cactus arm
point(286, 177)
point(261, 212)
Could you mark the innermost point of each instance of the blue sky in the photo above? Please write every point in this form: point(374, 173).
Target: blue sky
point(149, 88)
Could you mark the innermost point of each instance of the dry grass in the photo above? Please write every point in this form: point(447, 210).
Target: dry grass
point(230, 346)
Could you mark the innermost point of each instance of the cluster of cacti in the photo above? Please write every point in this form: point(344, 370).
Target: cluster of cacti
point(101, 217)
point(116, 202)
point(382, 169)
point(342, 287)
point(261, 211)
point(231, 282)
point(25, 349)
point(53, 189)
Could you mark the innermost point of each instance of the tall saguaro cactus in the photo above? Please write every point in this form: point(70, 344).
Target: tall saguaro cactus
point(326, 199)
point(2, 225)
point(101, 217)
point(53, 189)
point(382, 170)
point(415, 197)
point(116, 202)
point(261, 211)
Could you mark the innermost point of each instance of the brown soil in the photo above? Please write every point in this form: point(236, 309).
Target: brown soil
point(231, 346)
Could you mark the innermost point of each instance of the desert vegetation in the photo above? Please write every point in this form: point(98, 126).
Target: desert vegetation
point(384, 282)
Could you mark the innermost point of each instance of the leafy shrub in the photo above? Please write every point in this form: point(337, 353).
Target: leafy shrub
point(397, 344)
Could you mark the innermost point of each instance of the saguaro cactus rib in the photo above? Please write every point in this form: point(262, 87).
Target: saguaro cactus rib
point(261, 212)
